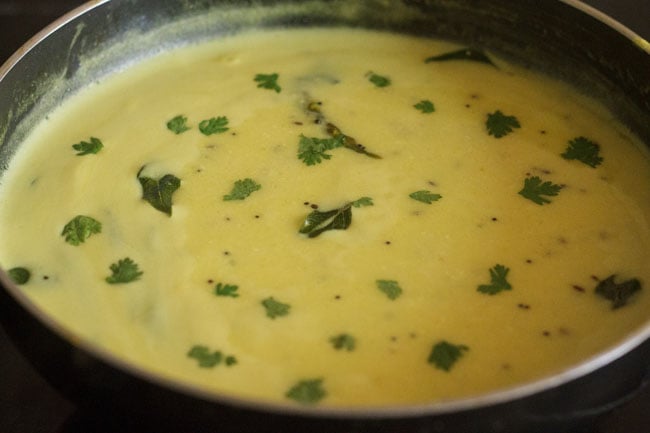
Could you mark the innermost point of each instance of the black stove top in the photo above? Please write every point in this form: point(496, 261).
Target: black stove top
point(29, 405)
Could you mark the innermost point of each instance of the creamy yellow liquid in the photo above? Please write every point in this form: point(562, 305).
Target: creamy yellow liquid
point(438, 253)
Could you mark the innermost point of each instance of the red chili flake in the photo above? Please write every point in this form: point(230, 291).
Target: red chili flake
point(210, 281)
point(297, 123)
point(595, 278)
point(314, 206)
point(523, 306)
point(546, 334)
point(387, 242)
point(578, 288)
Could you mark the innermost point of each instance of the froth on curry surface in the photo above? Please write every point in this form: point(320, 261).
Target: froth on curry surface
point(334, 217)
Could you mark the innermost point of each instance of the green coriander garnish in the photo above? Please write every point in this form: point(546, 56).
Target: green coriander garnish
point(308, 391)
point(444, 354)
point(425, 106)
point(498, 282)
point(425, 196)
point(390, 288)
point(80, 228)
point(378, 80)
point(343, 342)
point(618, 293)
point(178, 124)
point(268, 81)
point(499, 125)
point(227, 290)
point(88, 147)
point(537, 190)
point(124, 271)
point(312, 150)
point(470, 54)
point(215, 125)
point(583, 150)
point(19, 275)
point(158, 192)
point(275, 308)
point(242, 189)
point(210, 359)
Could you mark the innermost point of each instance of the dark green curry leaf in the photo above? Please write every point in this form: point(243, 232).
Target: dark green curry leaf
point(618, 293)
point(19, 275)
point(308, 391)
point(80, 228)
point(444, 354)
point(469, 54)
point(318, 222)
point(158, 192)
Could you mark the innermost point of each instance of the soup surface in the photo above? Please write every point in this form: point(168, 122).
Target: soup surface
point(334, 217)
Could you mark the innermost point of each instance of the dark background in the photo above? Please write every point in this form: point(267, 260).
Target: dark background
point(29, 405)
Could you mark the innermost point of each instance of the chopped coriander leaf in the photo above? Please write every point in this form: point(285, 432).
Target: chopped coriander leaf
point(178, 124)
point(268, 81)
point(275, 308)
point(312, 150)
point(158, 192)
point(205, 358)
point(19, 275)
point(470, 54)
point(362, 202)
point(583, 150)
point(425, 106)
point(390, 288)
point(124, 271)
point(535, 189)
point(80, 228)
point(618, 293)
point(308, 391)
point(444, 354)
point(425, 196)
point(499, 125)
point(242, 189)
point(230, 361)
point(378, 80)
point(87, 147)
point(343, 342)
point(215, 125)
point(227, 290)
point(498, 282)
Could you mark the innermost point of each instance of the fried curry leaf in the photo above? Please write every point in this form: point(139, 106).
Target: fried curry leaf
point(318, 222)
point(425, 196)
point(583, 150)
point(275, 308)
point(80, 228)
point(425, 106)
point(124, 271)
point(242, 189)
point(469, 54)
point(390, 288)
point(500, 125)
point(268, 81)
point(343, 342)
point(227, 290)
point(88, 147)
point(537, 190)
point(158, 192)
point(378, 80)
point(19, 275)
point(309, 391)
point(215, 125)
point(618, 293)
point(444, 354)
point(498, 281)
point(178, 124)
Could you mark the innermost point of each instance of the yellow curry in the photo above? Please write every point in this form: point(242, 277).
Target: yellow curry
point(334, 217)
